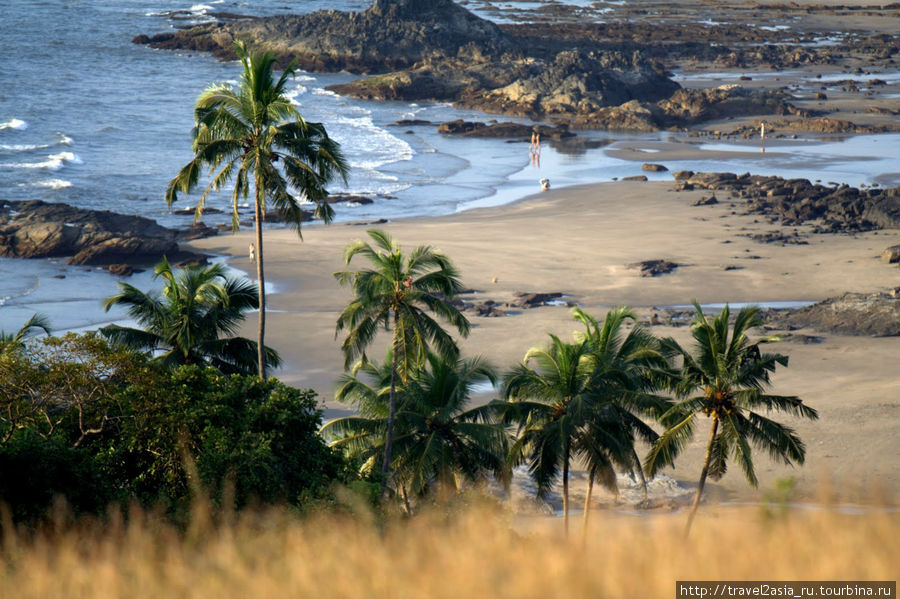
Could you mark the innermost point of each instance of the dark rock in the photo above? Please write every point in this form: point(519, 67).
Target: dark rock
point(412, 123)
point(193, 211)
point(654, 268)
point(796, 201)
point(188, 260)
point(872, 315)
point(533, 300)
point(635, 178)
point(36, 229)
point(120, 270)
point(682, 175)
point(706, 201)
point(198, 230)
point(891, 255)
point(657, 168)
point(390, 35)
point(504, 130)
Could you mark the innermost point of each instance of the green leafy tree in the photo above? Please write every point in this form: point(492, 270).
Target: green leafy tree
point(397, 293)
point(730, 373)
point(255, 136)
point(194, 321)
point(439, 440)
point(262, 436)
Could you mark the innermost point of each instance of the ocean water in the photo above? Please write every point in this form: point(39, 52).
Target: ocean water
point(88, 118)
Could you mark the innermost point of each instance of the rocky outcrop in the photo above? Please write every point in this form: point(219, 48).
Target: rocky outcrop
point(503, 130)
point(391, 35)
point(577, 82)
point(891, 255)
point(872, 314)
point(654, 268)
point(797, 201)
point(36, 229)
point(687, 107)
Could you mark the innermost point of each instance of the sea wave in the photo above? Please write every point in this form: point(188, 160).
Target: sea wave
point(368, 146)
point(54, 162)
point(13, 124)
point(23, 147)
point(53, 183)
point(63, 141)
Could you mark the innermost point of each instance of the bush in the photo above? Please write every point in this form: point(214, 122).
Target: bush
point(95, 424)
point(36, 471)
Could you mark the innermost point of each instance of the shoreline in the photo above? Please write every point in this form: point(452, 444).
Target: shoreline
point(579, 241)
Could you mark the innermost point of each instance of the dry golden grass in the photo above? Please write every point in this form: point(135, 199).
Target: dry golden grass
point(478, 552)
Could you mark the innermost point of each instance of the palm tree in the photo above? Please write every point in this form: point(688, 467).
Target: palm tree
point(625, 374)
point(731, 374)
point(245, 134)
point(397, 293)
point(437, 439)
point(15, 341)
point(551, 404)
point(194, 321)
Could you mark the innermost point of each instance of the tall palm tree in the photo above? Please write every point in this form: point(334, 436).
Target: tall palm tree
point(193, 321)
point(730, 373)
point(15, 341)
point(397, 293)
point(255, 136)
point(626, 372)
point(438, 439)
point(551, 403)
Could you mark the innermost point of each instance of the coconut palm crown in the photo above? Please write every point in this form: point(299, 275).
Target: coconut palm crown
point(730, 373)
point(397, 293)
point(438, 439)
point(15, 341)
point(255, 137)
point(194, 321)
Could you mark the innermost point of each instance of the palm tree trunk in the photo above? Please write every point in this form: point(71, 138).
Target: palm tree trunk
point(566, 489)
point(389, 438)
point(703, 473)
point(587, 505)
point(261, 282)
point(640, 471)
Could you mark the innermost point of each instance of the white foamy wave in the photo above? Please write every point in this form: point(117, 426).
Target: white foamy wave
point(13, 124)
point(63, 141)
point(200, 8)
point(366, 145)
point(321, 91)
point(294, 93)
point(23, 147)
point(54, 162)
point(302, 77)
point(53, 183)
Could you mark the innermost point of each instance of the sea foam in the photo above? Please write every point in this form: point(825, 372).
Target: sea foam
point(54, 162)
point(53, 183)
point(13, 124)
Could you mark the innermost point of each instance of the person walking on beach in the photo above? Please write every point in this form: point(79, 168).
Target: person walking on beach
point(535, 148)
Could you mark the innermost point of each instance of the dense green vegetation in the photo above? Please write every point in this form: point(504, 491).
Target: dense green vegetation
point(160, 414)
point(97, 423)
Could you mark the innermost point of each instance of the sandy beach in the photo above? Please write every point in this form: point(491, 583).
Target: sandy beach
point(579, 241)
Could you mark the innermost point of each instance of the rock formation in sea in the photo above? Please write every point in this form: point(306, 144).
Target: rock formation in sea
point(37, 229)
